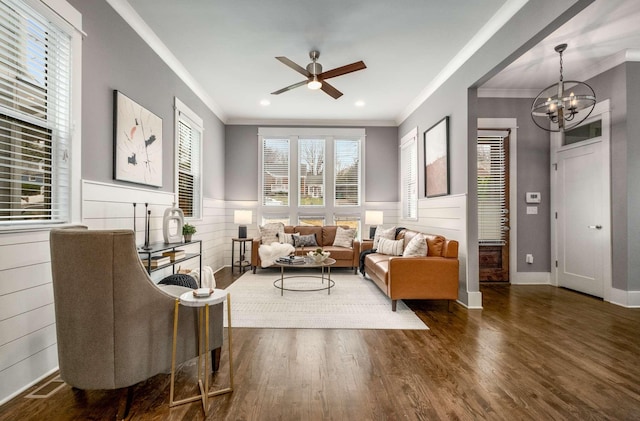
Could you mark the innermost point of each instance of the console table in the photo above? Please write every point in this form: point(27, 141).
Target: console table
point(156, 248)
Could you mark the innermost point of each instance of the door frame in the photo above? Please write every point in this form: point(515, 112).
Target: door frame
point(602, 110)
point(512, 124)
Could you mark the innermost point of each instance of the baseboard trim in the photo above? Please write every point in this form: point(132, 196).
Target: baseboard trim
point(531, 278)
point(28, 385)
point(473, 300)
point(628, 299)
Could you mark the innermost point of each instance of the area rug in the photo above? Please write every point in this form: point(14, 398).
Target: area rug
point(354, 303)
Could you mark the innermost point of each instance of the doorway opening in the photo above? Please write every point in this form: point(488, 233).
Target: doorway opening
point(493, 204)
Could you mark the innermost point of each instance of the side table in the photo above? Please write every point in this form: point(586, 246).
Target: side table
point(189, 300)
point(242, 263)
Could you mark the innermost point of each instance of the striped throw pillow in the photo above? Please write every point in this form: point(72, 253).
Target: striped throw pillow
point(390, 247)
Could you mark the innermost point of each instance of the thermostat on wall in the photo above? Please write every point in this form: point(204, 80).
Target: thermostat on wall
point(533, 197)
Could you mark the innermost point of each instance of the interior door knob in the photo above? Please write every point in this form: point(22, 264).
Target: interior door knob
point(595, 227)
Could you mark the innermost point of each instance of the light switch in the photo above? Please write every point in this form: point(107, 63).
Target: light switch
point(532, 210)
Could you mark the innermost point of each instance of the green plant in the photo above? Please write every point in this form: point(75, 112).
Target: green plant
point(188, 229)
point(318, 251)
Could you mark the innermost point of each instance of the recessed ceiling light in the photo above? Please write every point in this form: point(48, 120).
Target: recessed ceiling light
point(265, 102)
point(359, 104)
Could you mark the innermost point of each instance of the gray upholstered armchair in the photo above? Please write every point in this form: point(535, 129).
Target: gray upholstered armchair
point(114, 325)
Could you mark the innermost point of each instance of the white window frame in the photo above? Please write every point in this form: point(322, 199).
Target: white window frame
point(184, 113)
point(408, 180)
point(329, 209)
point(68, 19)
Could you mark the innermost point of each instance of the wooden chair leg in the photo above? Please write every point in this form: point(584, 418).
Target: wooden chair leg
point(124, 402)
point(215, 359)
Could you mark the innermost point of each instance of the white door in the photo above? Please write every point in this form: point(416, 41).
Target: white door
point(580, 225)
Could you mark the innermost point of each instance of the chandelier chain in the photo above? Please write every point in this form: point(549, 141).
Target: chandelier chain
point(561, 79)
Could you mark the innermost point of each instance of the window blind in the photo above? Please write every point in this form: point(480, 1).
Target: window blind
point(35, 136)
point(347, 172)
point(275, 172)
point(311, 156)
point(409, 177)
point(492, 216)
point(189, 169)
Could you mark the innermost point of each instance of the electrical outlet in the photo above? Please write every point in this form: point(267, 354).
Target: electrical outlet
point(529, 258)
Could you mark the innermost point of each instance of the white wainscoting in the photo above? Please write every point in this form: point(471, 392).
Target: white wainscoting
point(28, 350)
point(447, 216)
point(27, 326)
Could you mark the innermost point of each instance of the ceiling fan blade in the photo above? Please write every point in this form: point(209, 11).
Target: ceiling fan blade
point(294, 66)
point(290, 87)
point(331, 90)
point(339, 71)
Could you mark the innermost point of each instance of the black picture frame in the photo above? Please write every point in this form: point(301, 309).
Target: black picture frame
point(436, 159)
point(137, 142)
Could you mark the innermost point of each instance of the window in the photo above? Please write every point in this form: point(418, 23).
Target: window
point(275, 172)
point(188, 166)
point(310, 174)
point(35, 116)
point(409, 175)
point(492, 193)
point(347, 170)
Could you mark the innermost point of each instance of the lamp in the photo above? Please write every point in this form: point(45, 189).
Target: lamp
point(561, 101)
point(242, 217)
point(314, 84)
point(373, 218)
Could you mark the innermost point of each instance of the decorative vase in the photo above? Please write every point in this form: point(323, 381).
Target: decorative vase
point(176, 216)
point(187, 238)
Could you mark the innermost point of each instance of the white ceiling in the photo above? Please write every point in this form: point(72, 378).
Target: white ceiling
point(228, 49)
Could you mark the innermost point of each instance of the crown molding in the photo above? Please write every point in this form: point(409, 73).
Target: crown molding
point(124, 9)
point(314, 123)
point(499, 19)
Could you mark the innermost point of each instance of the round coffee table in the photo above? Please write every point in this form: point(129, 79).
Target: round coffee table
point(308, 263)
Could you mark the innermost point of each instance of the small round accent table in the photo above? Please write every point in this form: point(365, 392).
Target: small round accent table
point(308, 263)
point(189, 300)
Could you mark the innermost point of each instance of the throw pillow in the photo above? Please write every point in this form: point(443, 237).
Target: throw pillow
point(269, 232)
point(390, 247)
point(286, 238)
point(416, 247)
point(389, 233)
point(180, 280)
point(344, 237)
point(305, 240)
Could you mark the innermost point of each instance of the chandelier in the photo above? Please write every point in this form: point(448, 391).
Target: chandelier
point(561, 102)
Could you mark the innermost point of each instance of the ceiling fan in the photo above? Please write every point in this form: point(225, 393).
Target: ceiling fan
point(316, 78)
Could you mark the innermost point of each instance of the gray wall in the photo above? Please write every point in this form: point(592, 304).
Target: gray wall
point(633, 161)
point(243, 163)
point(115, 57)
point(533, 160)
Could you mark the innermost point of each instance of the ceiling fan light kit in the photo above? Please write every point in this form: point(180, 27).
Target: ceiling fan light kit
point(316, 78)
point(561, 102)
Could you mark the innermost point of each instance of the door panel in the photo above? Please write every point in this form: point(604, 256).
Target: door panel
point(580, 250)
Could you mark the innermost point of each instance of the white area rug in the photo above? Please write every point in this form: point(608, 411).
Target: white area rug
point(354, 303)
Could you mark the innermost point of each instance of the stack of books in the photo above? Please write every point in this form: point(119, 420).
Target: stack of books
point(292, 260)
point(174, 254)
point(159, 261)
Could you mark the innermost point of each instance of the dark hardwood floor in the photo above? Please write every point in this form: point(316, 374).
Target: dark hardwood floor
point(532, 353)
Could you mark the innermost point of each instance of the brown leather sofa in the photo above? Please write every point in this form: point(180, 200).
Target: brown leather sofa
point(345, 257)
point(432, 277)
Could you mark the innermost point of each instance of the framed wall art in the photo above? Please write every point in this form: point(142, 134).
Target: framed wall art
point(436, 159)
point(137, 150)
